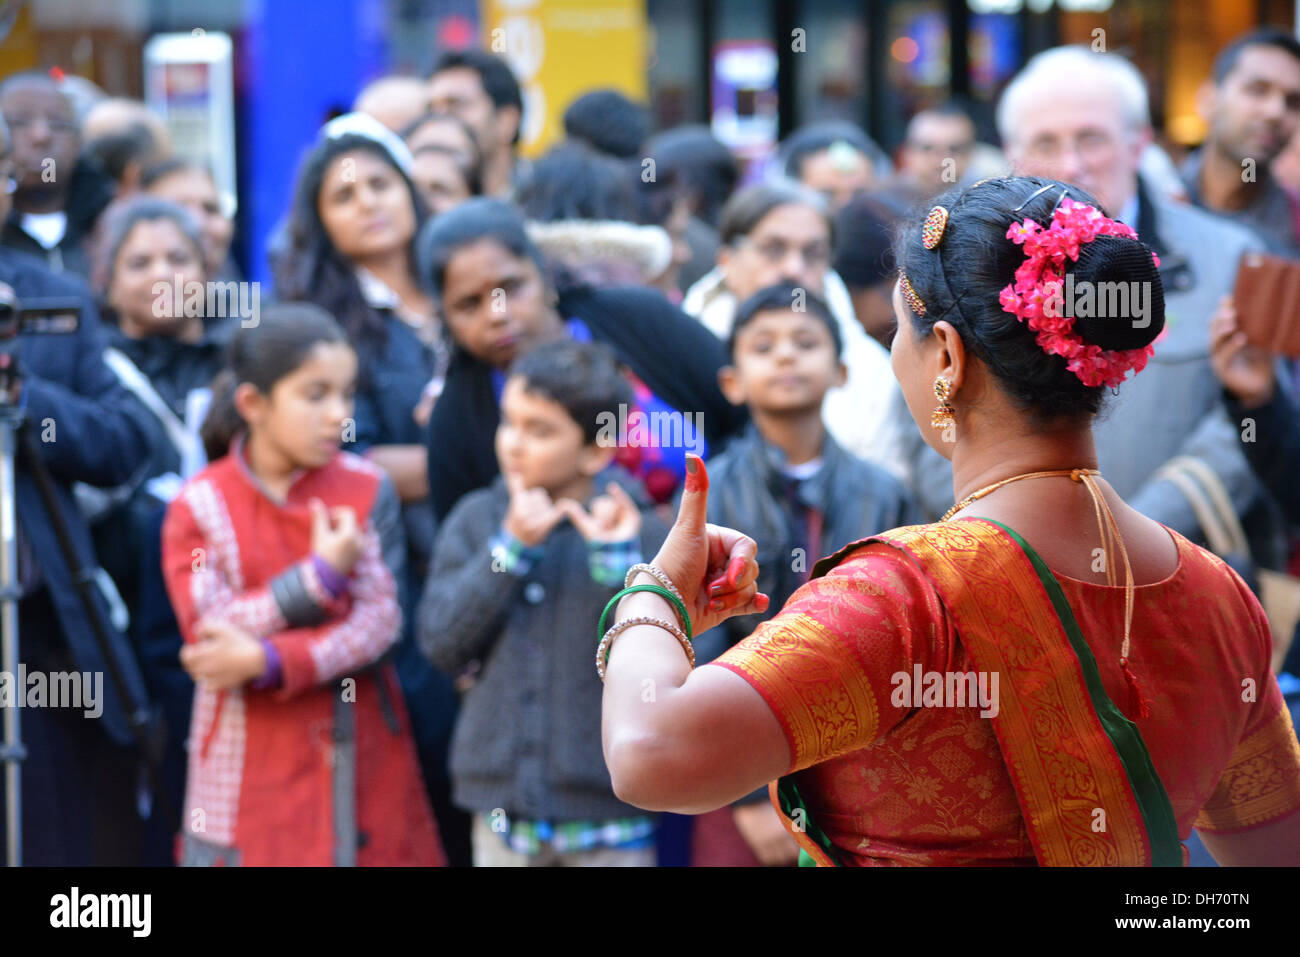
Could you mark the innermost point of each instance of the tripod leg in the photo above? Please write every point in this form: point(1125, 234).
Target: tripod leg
point(13, 749)
point(140, 719)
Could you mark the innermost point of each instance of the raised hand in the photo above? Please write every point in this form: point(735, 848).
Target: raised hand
point(712, 566)
point(335, 535)
point(1246, 370)
point(531, 514)
point(614, 517)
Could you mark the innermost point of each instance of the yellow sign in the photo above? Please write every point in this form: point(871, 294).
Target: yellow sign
point(560, 49)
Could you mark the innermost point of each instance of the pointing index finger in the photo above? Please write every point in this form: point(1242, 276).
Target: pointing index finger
point(694, 507)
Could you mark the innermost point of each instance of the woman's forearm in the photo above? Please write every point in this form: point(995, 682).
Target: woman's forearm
point(676, 739)
point(645, 664)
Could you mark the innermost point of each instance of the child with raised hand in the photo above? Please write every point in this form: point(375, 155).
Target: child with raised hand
point(521, 572)
point(791, 486)
point(277, 561)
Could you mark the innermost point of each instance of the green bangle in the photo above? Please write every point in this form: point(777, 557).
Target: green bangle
point(658, 590)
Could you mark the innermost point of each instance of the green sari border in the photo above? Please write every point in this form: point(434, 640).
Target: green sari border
point(792, 800)
point(1148, 790)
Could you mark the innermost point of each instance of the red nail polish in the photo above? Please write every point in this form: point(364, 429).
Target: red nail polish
point(734, 571)
point(697, 480)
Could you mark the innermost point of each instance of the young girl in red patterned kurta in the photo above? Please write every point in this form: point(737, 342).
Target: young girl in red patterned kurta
point(300, 751)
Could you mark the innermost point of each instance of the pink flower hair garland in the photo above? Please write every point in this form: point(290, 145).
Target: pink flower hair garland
point(1035, 296)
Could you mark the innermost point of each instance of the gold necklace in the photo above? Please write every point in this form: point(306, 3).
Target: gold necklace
point(1137, 703)
point(1073, 473)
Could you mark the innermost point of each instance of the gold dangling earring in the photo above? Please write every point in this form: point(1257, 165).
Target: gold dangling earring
point(945, 414)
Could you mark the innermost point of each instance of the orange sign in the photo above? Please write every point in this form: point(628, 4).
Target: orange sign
point(560, 49)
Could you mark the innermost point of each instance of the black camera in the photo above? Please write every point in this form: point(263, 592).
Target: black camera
point(37, 316)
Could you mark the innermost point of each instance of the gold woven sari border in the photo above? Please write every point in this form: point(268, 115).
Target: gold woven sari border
point(1259, 784)
point(786, 660)
point(1061, 762)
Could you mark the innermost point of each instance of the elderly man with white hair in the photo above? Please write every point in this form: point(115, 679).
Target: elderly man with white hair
point(1082, 118)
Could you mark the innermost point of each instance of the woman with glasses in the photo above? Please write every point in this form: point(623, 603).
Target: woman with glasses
point(782, 233)
point(165, 349)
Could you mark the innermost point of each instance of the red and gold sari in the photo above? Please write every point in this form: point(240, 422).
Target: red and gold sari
point(1055, 774)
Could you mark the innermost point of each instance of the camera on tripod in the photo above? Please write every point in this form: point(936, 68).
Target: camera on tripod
point(59, 315)
point(36, 316)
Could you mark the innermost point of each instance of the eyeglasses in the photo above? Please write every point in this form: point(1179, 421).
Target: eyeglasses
point(1088, 145)
point(776, 251)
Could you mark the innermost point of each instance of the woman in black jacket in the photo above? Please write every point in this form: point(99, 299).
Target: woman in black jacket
point(165, 348)
point(498, 302)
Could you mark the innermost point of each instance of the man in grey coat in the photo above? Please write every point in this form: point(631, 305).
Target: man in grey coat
point(1082, 117)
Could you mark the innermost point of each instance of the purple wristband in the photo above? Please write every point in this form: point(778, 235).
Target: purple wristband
point(332, 580)
point(271, 677)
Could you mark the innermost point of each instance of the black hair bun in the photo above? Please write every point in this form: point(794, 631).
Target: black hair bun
point(1114, 294)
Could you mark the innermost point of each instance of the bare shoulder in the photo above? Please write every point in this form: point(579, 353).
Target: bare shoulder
point(1152, 548)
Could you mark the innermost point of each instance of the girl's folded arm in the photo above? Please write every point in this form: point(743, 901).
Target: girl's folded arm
point(197, 583)
point(316, 655)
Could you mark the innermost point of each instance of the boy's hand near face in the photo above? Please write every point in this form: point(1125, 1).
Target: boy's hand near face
point(531, 514)
point(614, 517)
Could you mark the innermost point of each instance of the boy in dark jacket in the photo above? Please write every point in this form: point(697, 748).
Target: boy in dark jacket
point(521, 571)
point(796, 492)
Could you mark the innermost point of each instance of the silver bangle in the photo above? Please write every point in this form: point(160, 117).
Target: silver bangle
point(607, 642)
point(657, 574)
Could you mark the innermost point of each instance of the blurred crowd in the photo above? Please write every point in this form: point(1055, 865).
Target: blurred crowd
point(391, 470)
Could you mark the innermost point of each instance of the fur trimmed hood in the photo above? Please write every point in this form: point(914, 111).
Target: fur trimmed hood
point(605, 252)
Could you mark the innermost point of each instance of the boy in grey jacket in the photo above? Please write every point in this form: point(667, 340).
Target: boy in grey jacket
point(521, 571)
point(792, 488)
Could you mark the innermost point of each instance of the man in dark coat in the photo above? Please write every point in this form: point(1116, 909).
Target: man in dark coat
point(79, 775)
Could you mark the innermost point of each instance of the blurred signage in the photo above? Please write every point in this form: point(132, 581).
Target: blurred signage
point(743, 98)
point(560, 49)
point(1038, 6)
point(188, 82)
